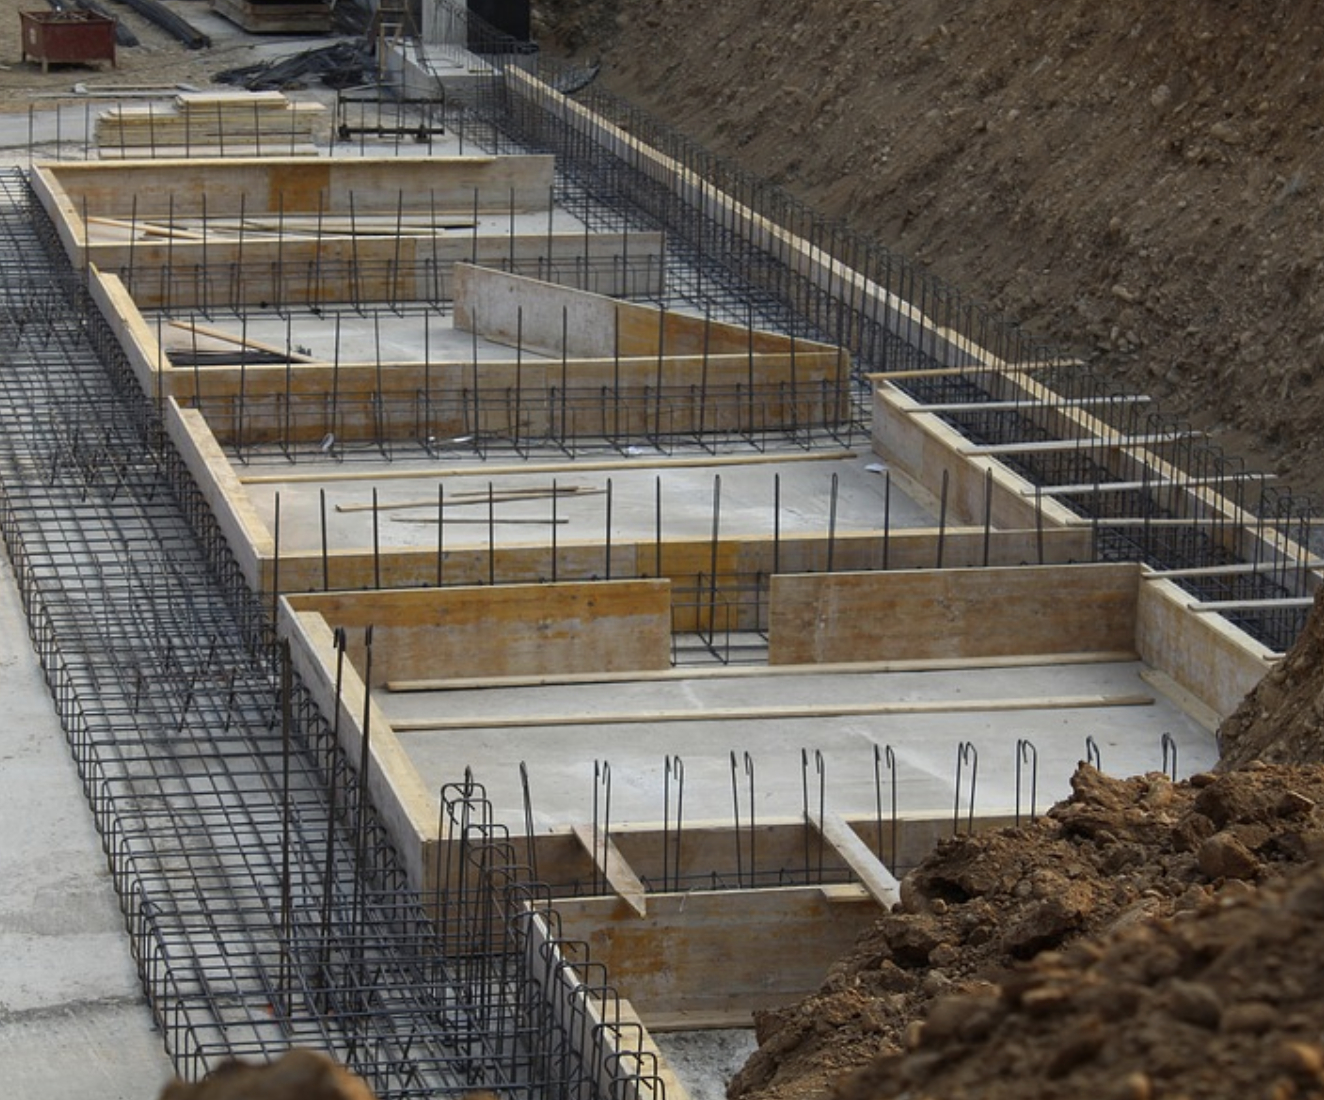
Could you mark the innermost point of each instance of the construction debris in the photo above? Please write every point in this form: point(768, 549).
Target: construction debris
point(342, 65)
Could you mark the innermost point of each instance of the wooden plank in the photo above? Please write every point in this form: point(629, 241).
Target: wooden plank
point(1133, 486)
point(500, 496)
point(1206, 654)
point(1153, 521)
point(209, 152)
point(1029, 405)
point(1204, 607)
point(149, 229)
point(951, 372)
point(725, 672)
point(1229, 570)
point(611, 864)
point(646, 462)
point(230, 338)
point(773, 713)
point(529, 629)
point(880, 883)
point(951, 613)
point(711, 954)
point(1087, 443)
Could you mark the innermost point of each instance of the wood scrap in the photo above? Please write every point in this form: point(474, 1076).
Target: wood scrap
point(545, 521)
point(231, 338)
point(480, 496)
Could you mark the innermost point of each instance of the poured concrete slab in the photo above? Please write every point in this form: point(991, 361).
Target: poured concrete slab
point(1056, 707)
point(745, 500)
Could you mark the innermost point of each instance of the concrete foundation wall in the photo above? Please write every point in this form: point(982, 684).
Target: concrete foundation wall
point(509, 630)
point(957, 613)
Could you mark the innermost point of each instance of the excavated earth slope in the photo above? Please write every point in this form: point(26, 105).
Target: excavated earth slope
point(1139, 180)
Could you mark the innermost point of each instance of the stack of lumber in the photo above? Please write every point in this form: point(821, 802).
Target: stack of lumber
point(210, 124)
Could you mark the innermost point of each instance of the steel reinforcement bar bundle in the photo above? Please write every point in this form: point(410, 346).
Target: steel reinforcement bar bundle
point(264, 904)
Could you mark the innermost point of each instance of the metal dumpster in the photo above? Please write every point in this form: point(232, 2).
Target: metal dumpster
point(73, 36)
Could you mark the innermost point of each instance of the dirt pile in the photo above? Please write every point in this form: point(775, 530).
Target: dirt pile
point(1137, 180)
point(1117, 855)
point(297, 1075)
point(1220, 1001)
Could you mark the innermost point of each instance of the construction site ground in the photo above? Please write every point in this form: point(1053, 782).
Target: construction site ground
point(1188, 293)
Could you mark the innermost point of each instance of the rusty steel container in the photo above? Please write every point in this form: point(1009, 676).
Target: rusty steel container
point(74, 36)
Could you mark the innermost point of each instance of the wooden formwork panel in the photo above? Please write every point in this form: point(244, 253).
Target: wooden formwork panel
point(505, 307)
point(505, 630)
point(573, 399)
point(681, 561)
point(958, 613)
point(924, 448)
point(406, 807)
point(700, 959)
point(261, 271)
point(1205, 654)
point(267, 185)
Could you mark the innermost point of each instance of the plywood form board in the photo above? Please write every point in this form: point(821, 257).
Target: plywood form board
point(61, 209)
point(924, 447)
point(502, 306)
point(952, 613)
point(682, 560)
point(612, 1039)
point(407, 808)
point(343, 268)
point(708, 847)
point(138, 340)
point(268, 18)
point(719, 955)
point(245, 533)
point(1205, 654)
point(506, 629)
point(266, 185)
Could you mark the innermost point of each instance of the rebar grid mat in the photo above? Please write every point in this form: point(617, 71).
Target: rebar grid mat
point(263, 901)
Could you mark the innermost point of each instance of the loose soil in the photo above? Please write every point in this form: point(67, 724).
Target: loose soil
point(1122, 862)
